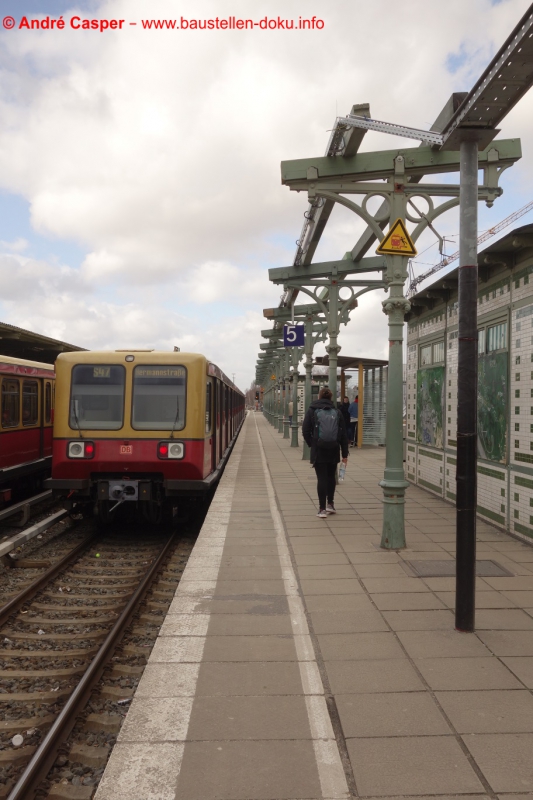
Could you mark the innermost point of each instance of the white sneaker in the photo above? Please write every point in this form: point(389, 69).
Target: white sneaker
point(322, 513)
point(330, 509)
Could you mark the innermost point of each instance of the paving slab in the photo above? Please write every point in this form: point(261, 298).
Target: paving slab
point(465, 674)
point(373, 675)
point(390, 714)
point(248, 771)
point(504, 759)
point(411, 765)
point(488, 711)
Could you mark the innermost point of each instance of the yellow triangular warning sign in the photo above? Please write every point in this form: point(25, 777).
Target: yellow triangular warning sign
point(397, 242)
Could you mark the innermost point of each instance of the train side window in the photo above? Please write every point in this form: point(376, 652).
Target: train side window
point(48, 402)
point(10, 403)
point(208, 406)
point(30, 402)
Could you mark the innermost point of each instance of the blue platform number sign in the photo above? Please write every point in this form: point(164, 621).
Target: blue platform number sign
point(293, 335)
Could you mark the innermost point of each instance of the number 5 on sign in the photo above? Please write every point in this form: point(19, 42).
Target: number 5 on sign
point(293, 335)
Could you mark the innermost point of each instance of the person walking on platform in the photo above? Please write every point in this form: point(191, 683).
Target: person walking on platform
point(344, 409)
point(353, 411)
point(324, 431)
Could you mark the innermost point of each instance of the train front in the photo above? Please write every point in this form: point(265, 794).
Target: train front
point(129, 428)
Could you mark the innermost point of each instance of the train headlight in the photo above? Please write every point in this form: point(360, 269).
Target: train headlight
point(80, 449)
point(173, 450)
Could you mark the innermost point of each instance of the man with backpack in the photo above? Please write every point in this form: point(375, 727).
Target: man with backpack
point(324, 430)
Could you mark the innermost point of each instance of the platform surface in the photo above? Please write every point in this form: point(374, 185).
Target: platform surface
point(299, 661)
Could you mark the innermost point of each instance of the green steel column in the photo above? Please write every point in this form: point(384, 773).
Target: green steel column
point(294, 425)
point(278, 392)
point(308, 350)
point(396, 306)
point(281, 371)
point(332, 348)
point(286, 434)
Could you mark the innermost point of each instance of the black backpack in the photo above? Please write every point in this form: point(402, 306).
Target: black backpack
point(327, 423)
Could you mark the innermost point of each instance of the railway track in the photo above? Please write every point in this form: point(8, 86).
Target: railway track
point(60, 654)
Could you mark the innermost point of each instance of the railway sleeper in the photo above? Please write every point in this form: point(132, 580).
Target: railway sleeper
point(117, 692)
point(61, 608)
point(101, 620)
point(67, 791)
point(45, 637)
point(17, 725)
point(43, 673)
point(18, 757)
point(138, 649)
point(126, 669)
point(109, 723)
point(88, 756)
point(39, 698)
point(60, 655)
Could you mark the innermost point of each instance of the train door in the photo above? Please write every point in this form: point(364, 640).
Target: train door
point(47, 419)
point(216, 422)
point(226, 417)
point(222, 418)
point(210, 435)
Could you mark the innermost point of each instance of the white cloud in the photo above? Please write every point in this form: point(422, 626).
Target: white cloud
point(158, 152)
point(18, 245)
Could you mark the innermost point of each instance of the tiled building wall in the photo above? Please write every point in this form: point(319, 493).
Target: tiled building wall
point(491, 493)
point(450, 392)
point(505, 490)
point(411, 462)
point(430, 469)
point(412, 367)
point(521, 503)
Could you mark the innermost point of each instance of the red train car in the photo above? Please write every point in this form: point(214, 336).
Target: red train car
point(27, 410)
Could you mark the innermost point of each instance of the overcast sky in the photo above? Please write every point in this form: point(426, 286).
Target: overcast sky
point(140, 195)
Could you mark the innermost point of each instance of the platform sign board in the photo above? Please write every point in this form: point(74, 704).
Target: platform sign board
point(397, 242)
point(293, 335)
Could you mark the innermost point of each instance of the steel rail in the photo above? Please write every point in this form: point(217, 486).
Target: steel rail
point(39, 583)
point(44, 757)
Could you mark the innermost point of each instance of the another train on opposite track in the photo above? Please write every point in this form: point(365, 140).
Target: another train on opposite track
point(144, 427)
point(27, 410)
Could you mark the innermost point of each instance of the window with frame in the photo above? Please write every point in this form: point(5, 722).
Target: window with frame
point(97, 397)
point(208, 406)
point(497, 337)
point(425, 355)
point(432, 354)
point(10, 403)
point(48, 402)
point(159, 395)
point(438, 352)
point(30, 403)
point(481, 341)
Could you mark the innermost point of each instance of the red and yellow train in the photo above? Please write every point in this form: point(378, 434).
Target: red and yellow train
point(148, 427)
point(27, 410)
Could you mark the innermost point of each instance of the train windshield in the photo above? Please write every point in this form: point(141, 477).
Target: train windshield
point(159, 398)
point(97, 399)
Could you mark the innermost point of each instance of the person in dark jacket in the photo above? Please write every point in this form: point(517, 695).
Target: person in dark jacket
point(325, 460)
point(353, 412)
point(343, 408)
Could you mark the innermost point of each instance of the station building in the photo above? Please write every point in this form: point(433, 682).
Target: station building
point(505, 384)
